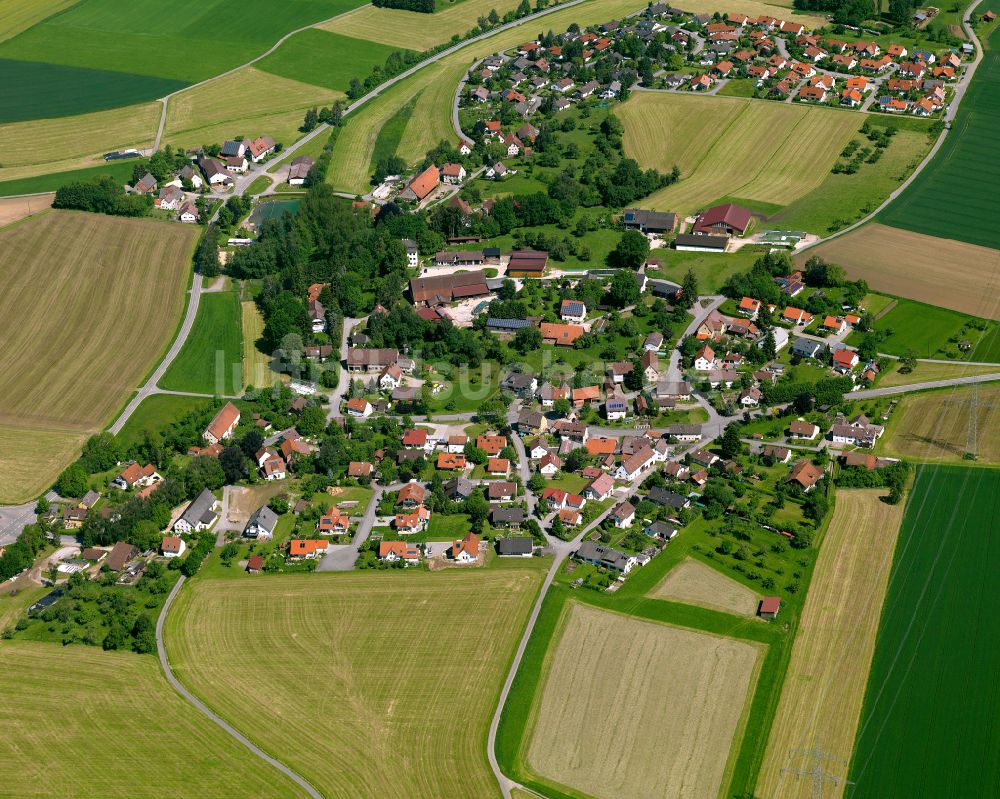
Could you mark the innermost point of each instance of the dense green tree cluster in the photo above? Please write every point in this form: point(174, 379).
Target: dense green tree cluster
point(102, 195)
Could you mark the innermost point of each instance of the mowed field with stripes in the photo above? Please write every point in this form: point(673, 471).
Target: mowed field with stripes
point(772, 153)
point(90, 303)
point(89, 723)
point(369, 684)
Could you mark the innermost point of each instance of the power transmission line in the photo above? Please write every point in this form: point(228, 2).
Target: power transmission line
point(816, 773)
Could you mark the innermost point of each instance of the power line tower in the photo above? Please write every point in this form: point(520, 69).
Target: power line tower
point(974, 404)
point(816, 773)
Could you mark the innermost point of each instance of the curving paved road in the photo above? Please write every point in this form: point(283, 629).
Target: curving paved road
point(166, 98)
point(150, 386)
point(205, 711)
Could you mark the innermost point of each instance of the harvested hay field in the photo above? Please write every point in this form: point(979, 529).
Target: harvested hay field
point(107, 724)
point(263, 103)
point(610, 743)
point(65, 371)
point(932, 426)
point(831, 658)
point(714, 139)
point(358, 706)
point(257, 370)
point(704, 135)
point(14, 208)
point(696, 583)
point(58, 145)
point(412, 29)
point(32, 457)
point(951, 274)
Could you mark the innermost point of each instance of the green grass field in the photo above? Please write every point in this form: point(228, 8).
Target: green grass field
point(155, 412)
point(248, 102)
point(389, 137)
point(368, 684)
point(842, 199)
point(933, 332)
point(711, 269)
point(954, 197)
point(195, 40)
point(119, 170)
point(211, 361)
point(86, 723)
point(326, 59)
point(17, 16)
point(928, 724)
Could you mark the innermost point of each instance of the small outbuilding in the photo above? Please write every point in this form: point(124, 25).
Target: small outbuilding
point(769, 607)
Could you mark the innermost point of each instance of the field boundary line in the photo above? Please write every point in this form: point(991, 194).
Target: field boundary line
point(166, 98)
point(204, 709)
point(948, 121)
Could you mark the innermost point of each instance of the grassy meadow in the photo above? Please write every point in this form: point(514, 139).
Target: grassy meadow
point(119, 170)
point(327, 59)
point(113, 290)
point(932, 332)
point(17, 16)
point(211, 360)
point(156, 411)
point(842, 199)
point(89, 723)
point(368, 684)
point(70, 143)
point(196, 40)
point(927, 727)
point(250, 102)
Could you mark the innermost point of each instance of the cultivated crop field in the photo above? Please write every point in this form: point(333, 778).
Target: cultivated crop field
point(825, 683)
point(107, 724)
point(112, 291)
point(368, 684)
point(58, 145)
point(696, 583)
point(771, 153)
point(138, 42)
point(211, 360)
point(328, 59)
point(250, 102)
point(952, 274)
point(954, 197)
point(35, 91)
point(928, 727)
point(932, 426)
point(636, 708)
